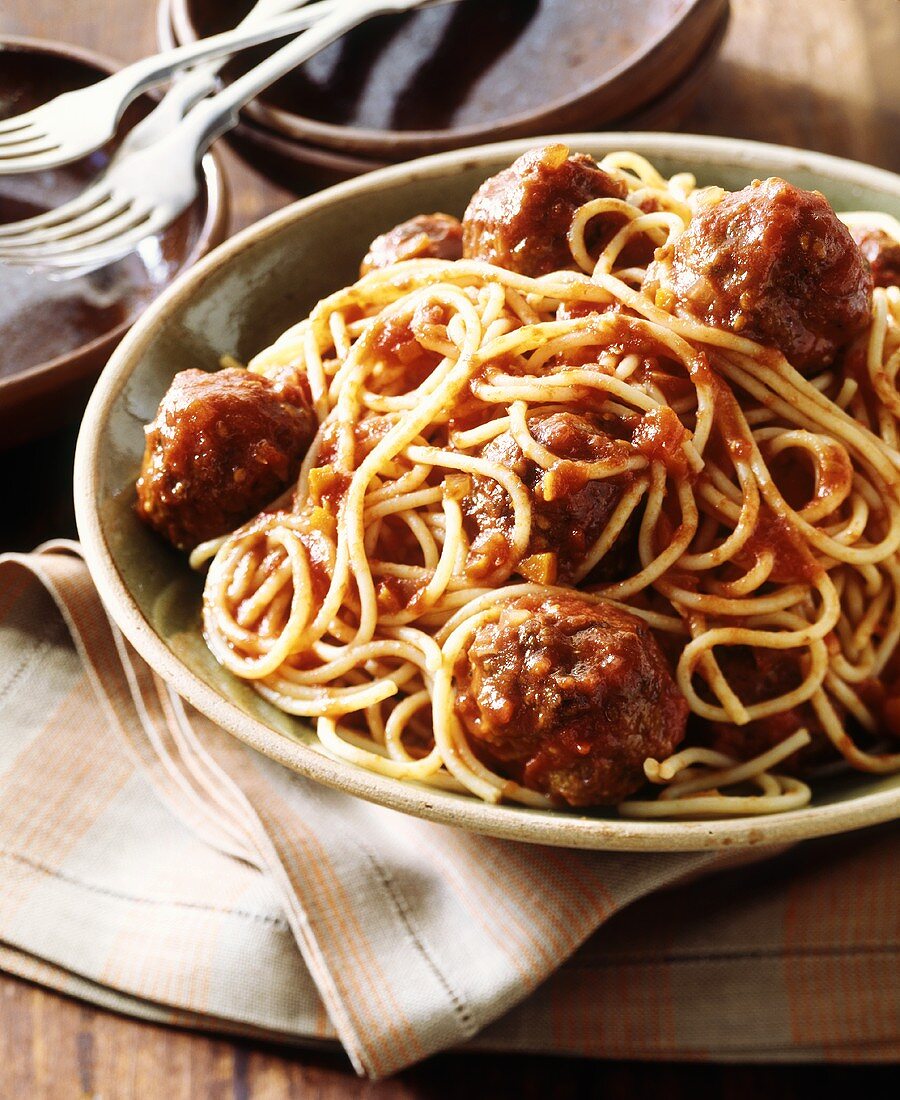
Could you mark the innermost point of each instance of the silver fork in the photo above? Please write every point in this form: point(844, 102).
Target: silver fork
point(144, 190)
point(186, 90)
point(76, 123)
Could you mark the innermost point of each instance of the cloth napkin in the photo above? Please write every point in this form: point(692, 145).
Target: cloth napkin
point(152, 864)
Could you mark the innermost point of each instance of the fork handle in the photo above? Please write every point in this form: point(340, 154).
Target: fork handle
point(201, 79)
point(214, 116)
point(150, 71)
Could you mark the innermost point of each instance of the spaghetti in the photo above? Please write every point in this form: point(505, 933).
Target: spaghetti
point(758, 508)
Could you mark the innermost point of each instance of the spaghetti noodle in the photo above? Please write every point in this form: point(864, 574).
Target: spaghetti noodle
point(758, 508)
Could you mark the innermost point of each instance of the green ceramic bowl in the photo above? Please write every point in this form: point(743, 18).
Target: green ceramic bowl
point(236, 302)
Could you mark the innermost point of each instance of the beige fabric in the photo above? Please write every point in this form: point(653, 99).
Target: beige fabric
point(152, 864)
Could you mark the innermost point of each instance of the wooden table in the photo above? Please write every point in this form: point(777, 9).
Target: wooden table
point(823, 74)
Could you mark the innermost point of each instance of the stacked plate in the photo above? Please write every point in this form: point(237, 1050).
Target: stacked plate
point(404, 86)
point(57, 334)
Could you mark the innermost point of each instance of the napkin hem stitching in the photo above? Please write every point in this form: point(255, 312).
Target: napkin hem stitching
point(24, 667)
point(461, 1008)
point(34, 865)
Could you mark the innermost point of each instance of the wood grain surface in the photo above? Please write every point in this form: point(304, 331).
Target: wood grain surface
point(822, 74)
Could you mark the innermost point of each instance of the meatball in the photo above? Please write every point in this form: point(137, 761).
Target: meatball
point(772, 263)
point(569, 514)
point(882, 252)
point(222, 447)
point(435, 236)
point(520, 218)
point(569, 699)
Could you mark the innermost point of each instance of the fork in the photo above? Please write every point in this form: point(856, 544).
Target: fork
point(188, 88)
point(143, 191)
point(78, 122)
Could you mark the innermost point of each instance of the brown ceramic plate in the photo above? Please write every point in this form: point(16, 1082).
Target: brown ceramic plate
point(403, 85)
point(300, 167)
point(303, 167)
point(237, 301)
point(57, 336)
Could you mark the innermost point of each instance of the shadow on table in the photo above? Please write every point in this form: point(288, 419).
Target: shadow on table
point(797, 115)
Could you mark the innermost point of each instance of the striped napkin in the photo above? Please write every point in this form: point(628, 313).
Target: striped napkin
point(154, 865)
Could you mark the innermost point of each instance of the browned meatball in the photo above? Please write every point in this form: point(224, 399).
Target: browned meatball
point(772, 263)
point(222, 447)
point(882, 252)
point(568, 513)
point(569, 699)
point(432, 236)
point(520, 218)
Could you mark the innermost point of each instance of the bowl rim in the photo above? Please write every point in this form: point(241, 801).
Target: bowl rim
point(373, 142)
point(25, 383)
point(559, 828)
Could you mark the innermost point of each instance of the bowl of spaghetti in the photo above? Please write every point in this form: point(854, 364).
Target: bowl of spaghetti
point(568, 514)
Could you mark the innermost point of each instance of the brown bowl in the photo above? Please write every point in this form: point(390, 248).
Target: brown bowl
point(304, 168)
point(292, 164)
point(300, 167)
point(400, 86)
point(64, 331)
point(668, 110)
